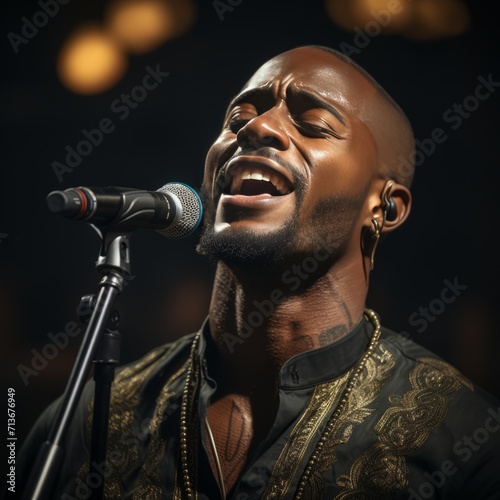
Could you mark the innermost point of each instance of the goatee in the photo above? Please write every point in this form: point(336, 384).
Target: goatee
point(329, 228)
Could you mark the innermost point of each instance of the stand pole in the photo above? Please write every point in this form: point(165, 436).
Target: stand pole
point(104, 373)
point(114, 263)
point(107, 357)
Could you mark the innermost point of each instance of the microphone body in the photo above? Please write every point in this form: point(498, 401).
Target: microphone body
point(174, 210)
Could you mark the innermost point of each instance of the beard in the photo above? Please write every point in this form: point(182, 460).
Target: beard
point(246, 249)
point(329, 228)
point(241, 247)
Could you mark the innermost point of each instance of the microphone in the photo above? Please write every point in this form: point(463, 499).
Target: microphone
point(175, 210)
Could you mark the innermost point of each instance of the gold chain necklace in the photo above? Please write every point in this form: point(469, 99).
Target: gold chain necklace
point(343, 401)
point(188, 415)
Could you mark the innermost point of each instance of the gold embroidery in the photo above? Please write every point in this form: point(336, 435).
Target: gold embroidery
point(374, 376)
point(322, 401)
point(402, 429)
point(122, 443)
point(149, 485)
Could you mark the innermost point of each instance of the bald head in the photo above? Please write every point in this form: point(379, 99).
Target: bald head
point(397, 143)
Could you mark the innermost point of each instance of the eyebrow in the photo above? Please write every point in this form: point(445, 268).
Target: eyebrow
point(320, 103)
point(246, 96)
point(294, 92)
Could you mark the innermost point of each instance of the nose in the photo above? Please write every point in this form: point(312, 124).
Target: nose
point(266, 130)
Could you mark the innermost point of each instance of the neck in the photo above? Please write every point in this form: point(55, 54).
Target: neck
point(259, 321)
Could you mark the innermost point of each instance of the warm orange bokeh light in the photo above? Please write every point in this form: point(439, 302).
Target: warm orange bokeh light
point(142, 25)
point(93, 59)
point(90, 61)
point(441, 19)
point(415, 19)
point(401, 13)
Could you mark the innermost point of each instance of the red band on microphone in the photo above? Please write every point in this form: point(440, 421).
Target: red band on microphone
point(83, 207)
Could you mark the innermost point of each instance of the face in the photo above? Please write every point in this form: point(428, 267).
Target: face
point(292, 167)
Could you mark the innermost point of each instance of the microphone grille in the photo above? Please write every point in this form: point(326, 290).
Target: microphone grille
point(191, 210)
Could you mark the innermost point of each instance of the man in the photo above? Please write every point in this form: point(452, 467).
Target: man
point(291, 388)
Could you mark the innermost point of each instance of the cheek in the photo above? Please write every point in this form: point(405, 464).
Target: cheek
point(211, 163)
point(341, 171)
point(216, 155)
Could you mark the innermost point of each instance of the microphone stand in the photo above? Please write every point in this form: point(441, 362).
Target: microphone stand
point(113, 264)
point(107, 356)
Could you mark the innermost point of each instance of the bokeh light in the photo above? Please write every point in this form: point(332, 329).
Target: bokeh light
point(142, 25)
point(94, 58)
point(415, 19)
point(90, 61)
point(440, 19)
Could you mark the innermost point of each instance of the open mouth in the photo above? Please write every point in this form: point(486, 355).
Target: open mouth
point(254, 180)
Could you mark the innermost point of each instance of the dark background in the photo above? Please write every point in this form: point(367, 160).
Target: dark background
point(48, 263)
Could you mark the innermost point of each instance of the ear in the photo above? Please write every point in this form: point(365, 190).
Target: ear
point(400, 197)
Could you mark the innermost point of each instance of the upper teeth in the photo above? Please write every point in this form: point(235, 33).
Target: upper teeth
point(259, 175)
point(255, 175)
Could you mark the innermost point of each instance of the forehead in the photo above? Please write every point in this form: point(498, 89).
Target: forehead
point(319, 72)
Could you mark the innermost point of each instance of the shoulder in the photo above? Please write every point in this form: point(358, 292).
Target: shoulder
point(157, 360)
point(427, 370)
point(457, 422)
point(129, 383)
point(448, 426)
point(420, 381)
point(145, 377)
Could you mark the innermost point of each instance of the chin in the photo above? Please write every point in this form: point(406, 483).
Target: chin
point(245, 248)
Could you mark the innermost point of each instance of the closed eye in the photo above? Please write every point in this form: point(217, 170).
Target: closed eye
point(235, 125)
point(313, 130)
point(239, 116)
